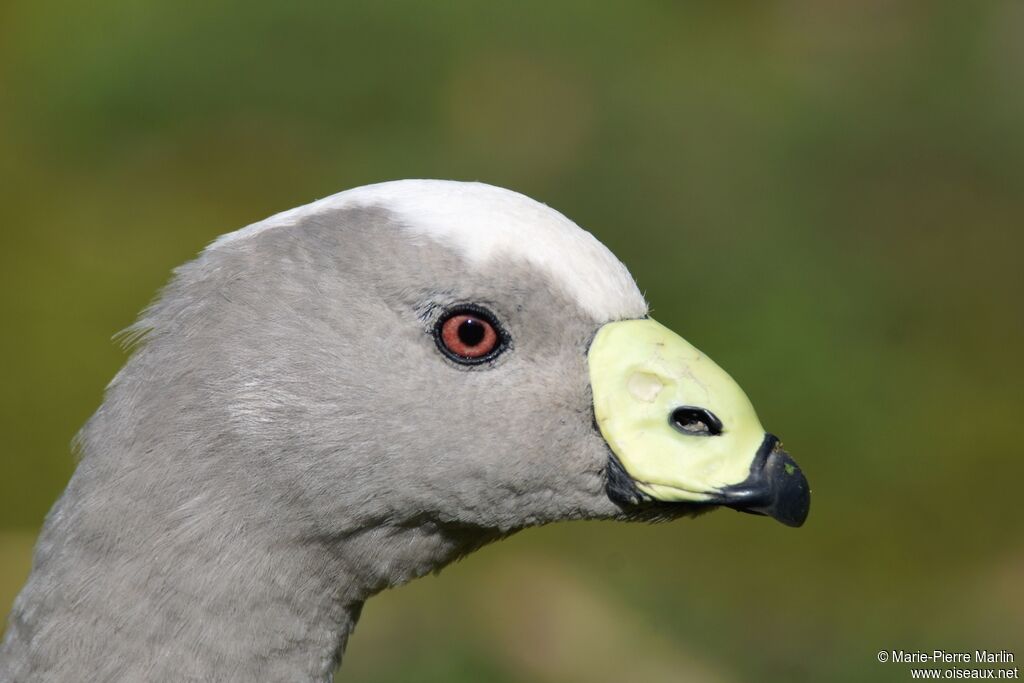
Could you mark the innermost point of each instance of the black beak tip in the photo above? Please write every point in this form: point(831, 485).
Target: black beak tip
point(791, 495)
point(776, 487)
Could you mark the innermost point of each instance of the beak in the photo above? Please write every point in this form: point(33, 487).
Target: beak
point(683, 430)
point(775, 487)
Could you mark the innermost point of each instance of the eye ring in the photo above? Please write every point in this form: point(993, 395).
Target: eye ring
point(469, 335)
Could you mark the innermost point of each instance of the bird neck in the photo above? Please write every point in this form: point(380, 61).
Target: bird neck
point(193, 542)
point(123, 590)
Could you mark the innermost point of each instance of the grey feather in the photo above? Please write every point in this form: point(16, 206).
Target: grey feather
point(286, 441)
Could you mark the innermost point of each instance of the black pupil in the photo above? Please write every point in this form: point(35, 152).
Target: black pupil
point(471, 332)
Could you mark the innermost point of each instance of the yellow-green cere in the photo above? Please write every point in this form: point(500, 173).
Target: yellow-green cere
point(640, 372)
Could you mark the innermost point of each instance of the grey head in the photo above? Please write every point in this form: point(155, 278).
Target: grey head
point(352, 394)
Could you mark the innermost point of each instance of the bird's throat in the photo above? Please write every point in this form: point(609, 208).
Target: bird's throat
point(209, 599)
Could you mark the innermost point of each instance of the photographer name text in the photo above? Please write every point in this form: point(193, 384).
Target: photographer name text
point(950, 657)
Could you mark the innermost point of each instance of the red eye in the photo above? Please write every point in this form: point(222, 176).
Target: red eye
point(467, 336)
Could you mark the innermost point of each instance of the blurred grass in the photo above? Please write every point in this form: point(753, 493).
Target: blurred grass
point(828, 198)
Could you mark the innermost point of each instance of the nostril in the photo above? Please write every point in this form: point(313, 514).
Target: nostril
point(695, 421)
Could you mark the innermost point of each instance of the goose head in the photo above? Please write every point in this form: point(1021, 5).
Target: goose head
point(460, 354)
point(354, 393)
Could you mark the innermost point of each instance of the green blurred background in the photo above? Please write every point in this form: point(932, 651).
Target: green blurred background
point(827, 197)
